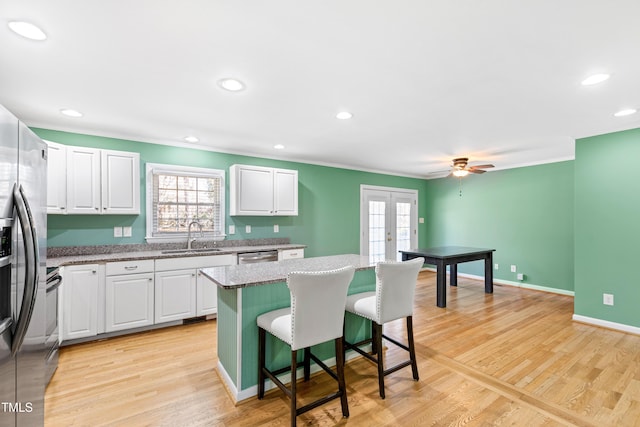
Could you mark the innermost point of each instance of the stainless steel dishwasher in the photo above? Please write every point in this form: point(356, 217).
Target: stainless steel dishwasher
point(256, 257)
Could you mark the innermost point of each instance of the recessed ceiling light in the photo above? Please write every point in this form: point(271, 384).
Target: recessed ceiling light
point(232, 85)
point(279, 147)
point(626, 112)
point(344, 115)
point(71, 113)
point(191, 138)
point(595, 79)
point(28, 30)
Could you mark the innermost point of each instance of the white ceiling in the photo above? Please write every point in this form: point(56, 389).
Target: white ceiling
point(495, 80)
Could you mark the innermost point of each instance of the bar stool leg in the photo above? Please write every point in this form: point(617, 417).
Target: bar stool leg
point(374, 340)
point(307, 363)
point(294, 368)
point(339, 344)
point(412, 349)
point(261, 361)
point(378, 335)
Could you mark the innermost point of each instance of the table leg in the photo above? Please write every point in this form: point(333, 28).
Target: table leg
point(441, 290)
point(488, 273)
point(453, 274)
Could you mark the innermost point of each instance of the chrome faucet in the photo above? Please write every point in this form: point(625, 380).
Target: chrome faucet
point(189, 239)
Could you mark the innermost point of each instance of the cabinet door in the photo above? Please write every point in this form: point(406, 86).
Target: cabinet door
point(175, 295)
point(207, 296)
point(83, 180)
point(56, 178)
point(120, 182)
point(285, 193)
point(129, 301)
point(251, 190)
point(290, 254)
point(79, 296)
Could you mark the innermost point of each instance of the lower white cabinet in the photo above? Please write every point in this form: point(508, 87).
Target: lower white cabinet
point(128, 301)
point(175, 295)
point(290, 254)
point(79, 301)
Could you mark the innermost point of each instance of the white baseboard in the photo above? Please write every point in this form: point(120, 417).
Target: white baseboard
point(606, 324)
point(285, 378)
point(515, 284)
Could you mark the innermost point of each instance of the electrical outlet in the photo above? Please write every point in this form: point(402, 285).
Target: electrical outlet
point(247, 229)
point(126, 231)
point(421, 220)
point(607, 299)
point(117, 231)
point(276, 228)
point(520, 276)
point(496, 266)
point(232, 229)
point(513, 268)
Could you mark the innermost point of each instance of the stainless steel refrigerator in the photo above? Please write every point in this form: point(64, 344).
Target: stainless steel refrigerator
point(23, 241)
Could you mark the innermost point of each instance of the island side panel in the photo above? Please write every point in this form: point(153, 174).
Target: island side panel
point(228, 334)
point(257, 300)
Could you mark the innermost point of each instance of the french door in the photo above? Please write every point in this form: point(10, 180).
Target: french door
point(388, 221)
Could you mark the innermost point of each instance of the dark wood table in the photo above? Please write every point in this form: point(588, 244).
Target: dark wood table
point(452, 256)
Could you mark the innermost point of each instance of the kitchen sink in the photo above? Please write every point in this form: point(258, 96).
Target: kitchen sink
point(190, 251)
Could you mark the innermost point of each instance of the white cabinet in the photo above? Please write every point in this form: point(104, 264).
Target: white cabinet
point(175, 295)
point(79, 301)
point(290, 254)
point(178, 277)
point(56, 178)
point(129, 291)
point(91, 181)
point(120, 182)
point(83, 180)
point(262, 191)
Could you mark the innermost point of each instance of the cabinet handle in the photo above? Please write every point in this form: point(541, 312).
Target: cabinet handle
point(293, 254)
point(193, 274)
point(93, 272)
point(150, 279)
point(97, 208)
point(61, 207)
point(132, 267)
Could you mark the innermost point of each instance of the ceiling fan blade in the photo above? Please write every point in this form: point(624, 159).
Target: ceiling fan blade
point(476, 170)
point(481, 166)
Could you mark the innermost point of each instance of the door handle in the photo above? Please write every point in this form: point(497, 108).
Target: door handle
point(30, 241)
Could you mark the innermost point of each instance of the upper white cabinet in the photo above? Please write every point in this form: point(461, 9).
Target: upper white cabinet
point(92, 181)
point(262, 191)
point(56, 178)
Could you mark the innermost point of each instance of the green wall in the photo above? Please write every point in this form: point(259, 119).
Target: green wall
point(607, 200)
point(329, 200)
point(526, 214)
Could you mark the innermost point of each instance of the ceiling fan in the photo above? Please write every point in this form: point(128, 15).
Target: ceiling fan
point(459, 168)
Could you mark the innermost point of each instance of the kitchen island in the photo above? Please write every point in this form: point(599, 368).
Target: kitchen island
point(249, 290)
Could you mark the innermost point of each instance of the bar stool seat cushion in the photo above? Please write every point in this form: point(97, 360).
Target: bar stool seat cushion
point(277, 323)
point(363, 304)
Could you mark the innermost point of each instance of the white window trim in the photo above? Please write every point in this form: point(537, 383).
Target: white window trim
point(181, 237)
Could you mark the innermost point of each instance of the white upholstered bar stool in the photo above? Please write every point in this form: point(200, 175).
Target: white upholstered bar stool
point(316, 315)
point(392, 300)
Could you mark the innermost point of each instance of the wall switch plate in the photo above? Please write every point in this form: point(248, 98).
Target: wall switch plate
point(421, 220)
point(607, 299)
point(117, 231)
point(496, 266)
point(232, 229)
point(247, 229)
point(513, 268)
point(520, 276)
point(276, 228)
point(126, 231)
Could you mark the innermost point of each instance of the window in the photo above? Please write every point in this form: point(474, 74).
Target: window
point(179, 195)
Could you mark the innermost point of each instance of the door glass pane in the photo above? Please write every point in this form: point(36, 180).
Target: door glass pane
point(376, 230)
point(403, 228)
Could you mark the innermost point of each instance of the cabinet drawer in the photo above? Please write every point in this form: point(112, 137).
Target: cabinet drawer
point(167, 264)
point(291, 254)
point(129, 267)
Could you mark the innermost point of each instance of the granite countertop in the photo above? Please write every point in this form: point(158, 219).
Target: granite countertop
point(240, 276)
point(99, 254)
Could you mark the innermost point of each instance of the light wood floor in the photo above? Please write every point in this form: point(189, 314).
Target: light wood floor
point(511, 358)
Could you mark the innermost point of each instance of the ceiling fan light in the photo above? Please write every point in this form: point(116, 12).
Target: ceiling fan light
point(595, 79)
point(460, 173)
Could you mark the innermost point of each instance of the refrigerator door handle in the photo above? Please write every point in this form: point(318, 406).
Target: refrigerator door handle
point(31, 267)
point(5, 324)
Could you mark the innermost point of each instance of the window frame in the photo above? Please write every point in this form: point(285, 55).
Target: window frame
point(177, 169)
